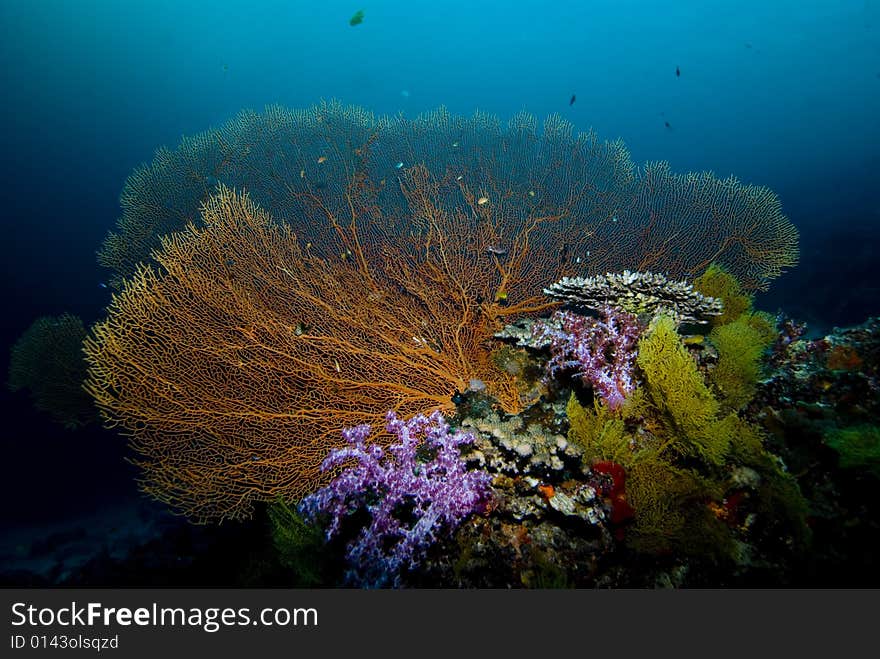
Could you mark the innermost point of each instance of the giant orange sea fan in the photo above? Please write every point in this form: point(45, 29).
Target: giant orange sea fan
point(329, 163)
point(234, 364)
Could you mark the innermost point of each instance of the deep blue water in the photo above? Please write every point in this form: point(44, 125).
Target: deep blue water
point(784, 94)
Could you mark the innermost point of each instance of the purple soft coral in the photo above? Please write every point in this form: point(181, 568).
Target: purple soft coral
point(409, 500)
point(600, 350)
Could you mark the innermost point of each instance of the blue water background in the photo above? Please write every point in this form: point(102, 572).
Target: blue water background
point(784, 94)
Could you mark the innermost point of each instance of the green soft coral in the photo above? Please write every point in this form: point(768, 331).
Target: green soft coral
point(599, 434)
point(858, 447)
point(740, 335)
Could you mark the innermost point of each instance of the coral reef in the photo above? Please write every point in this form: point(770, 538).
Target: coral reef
point(820, 421)
point(48, 361)
point(677, 443)
point(374, 266)
point(239, 345)
point(677, 471)
point(549, 523)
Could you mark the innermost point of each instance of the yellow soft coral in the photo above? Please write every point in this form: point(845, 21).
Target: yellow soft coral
point(741, 345)
point(602, 433)
point(686, 407)
point(719, 283)
point(598, 432)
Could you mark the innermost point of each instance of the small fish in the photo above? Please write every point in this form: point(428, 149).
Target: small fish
point(398, 165)
point(573, 99)
point(495, 249)
point(102, 285)
point(666, 123)
point(501, 299)
point(322, 159)
point(302, 173)
point(404, 93)
point(357, 19)
point(531, 193)
point(482, 200)
point(455, 145)
point(677, 72)
point(459, 177)
point(336, 366)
